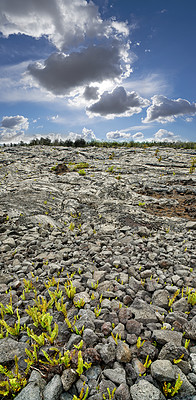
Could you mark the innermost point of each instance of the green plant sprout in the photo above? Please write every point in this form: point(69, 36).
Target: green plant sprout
point(40, 340)
point(186, 345)
point(110, 169)
point(111, 395)
point(115, 337)
point(79, 346)
point(97, 311)
point(71, 226)
point(93, 296)
point(82, 396)
point(70, 289)
point(64, 359)
point(95, 285)
point(42, 304)
point(178, 360)
point(79, 304)
point(139, 342)
point(172, 299)
point(193, 165)
point(8, 309)
point(32, 357)
point(168, 389)
point(57, 294)
point(28, 285)
point(61, 307)
point(82, 172)
point(191, 298)
point(79, 332)
point(147, 362)
point(15, 381)
point(81, 364)
point(12, 331)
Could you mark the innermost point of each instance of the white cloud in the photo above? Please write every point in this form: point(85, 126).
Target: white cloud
point(118, 103)
point(189, 119)
point(66, 23)
point(12, 128)
point(117, 135)
point(162, 135)
point(63, 73)
point(138, 136)
point(166, 110)
point(87, 134)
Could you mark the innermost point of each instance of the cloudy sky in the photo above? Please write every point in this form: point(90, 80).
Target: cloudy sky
point(101, 69)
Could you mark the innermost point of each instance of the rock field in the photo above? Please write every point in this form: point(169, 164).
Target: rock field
point(98, 245)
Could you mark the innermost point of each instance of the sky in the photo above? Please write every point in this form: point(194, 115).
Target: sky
point(115, 70)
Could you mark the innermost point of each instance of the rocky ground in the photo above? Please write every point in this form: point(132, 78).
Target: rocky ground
point(97, 246)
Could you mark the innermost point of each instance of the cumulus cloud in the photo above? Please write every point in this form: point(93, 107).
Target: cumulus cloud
point(66, 23)
point(87, 134)
point(15, 123)
point(13, 128)
point(119, 103)
point(162, 135)
point(62, 73)
point(166, 110)
point(117, 135)
point(138, 136)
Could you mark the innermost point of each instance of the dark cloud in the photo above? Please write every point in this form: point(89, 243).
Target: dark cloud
point(164, 109)
point(12, 129)
point(118, 103)
point(17, 122)
point(91, 93)
point(60, 73)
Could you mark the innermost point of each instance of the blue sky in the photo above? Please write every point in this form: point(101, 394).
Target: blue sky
point(102, 69)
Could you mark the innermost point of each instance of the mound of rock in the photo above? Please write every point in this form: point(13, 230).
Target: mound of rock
point(97, 273)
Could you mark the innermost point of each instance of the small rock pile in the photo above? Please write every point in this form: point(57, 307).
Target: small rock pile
point(132, 313)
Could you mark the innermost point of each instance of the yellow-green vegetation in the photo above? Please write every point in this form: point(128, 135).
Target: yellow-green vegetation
point(45, 333)
point(139, 342)
point(173, 298)
point(82, 364)
point(80, 303)
point(82, 172)
point(116, 337)
point(111, 395)
point(168, 389)
point(14, 380)
point(193, 165)
point(95, 285)
point(178, 360)
point(186, 345)
point(110, 169)
point(141, 204)
point(70, 289)
point(97, 311)
point(191, 297)
point(82, 396)
point(147, 362)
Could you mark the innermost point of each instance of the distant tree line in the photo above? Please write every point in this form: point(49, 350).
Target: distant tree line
point(45, 141)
